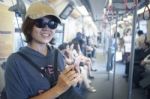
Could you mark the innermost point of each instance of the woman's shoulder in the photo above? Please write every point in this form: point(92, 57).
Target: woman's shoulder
point(24, 50)
point(12, 61)
point(13, 56)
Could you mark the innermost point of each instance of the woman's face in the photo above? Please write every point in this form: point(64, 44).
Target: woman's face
point(42, 35)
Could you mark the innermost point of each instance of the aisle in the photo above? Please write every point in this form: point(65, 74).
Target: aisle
point(104, 86)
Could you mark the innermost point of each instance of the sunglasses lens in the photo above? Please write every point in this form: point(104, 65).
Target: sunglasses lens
point(41, 24)
point(52, 24)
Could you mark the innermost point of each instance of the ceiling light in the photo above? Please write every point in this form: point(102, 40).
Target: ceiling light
point(83, 10)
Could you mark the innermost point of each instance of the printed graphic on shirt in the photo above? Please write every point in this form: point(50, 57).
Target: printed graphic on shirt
point(49, 69)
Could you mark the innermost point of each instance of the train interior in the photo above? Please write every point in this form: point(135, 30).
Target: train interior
point(113, 31)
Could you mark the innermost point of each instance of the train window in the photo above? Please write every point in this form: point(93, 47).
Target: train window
point(66, 12)
point(59, 35)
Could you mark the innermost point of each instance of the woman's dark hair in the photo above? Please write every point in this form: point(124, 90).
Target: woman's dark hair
point(27, 28)
point(69, 43)
point(140, 32)
point(66, 54)
point(76, 46)
point(117, 34)
point(76, 43)
point(63, 46)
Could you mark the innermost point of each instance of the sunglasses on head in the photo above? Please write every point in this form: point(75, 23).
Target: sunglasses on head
point(52, 24)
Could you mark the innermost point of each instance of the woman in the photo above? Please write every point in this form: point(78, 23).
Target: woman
point(24, 81)
point(83, 59)
point(66, 51)
point(127, 45)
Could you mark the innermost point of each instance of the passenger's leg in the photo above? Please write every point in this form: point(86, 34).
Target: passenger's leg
point(86, 81)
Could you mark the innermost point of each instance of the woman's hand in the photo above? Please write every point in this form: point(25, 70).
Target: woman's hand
point(66, 79)
point(69, 77)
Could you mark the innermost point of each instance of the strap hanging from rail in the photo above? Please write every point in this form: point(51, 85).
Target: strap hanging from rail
point(126, 5)
point(145, 10)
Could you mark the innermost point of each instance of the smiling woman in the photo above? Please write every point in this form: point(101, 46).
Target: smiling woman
point(36, 68)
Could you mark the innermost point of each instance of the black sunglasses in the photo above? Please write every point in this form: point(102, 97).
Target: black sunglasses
point(52, 24)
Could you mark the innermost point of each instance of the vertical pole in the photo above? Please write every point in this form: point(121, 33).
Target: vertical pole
point(109, 53)
point(19, 30)
point(114, 61)
point(82, 17)
point(132, 54)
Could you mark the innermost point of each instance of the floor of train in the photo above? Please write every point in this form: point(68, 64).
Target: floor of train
point(104, 86)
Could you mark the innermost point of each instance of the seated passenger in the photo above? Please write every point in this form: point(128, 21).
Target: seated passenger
point(69, 60)
point(140, 54)
point(83, 59)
